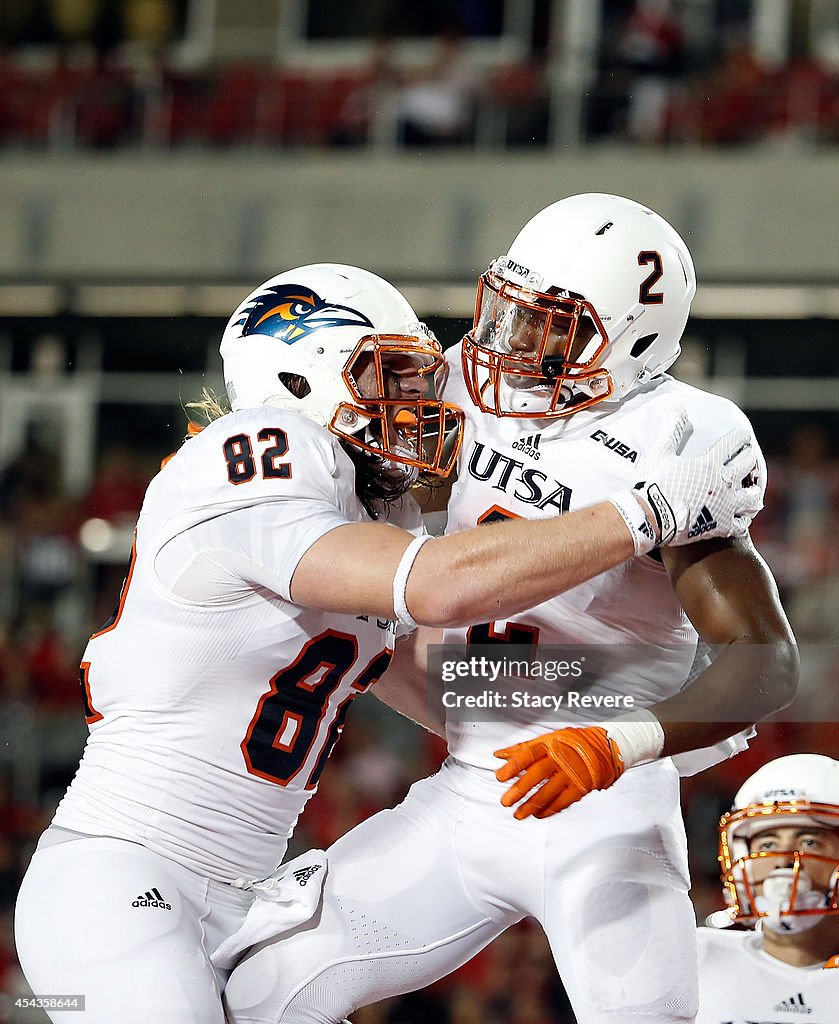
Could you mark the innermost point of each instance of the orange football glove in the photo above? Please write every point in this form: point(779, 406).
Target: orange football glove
point(561, 766)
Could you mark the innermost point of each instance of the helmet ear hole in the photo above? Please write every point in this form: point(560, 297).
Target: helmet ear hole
point(642, 344)
point(295, 383)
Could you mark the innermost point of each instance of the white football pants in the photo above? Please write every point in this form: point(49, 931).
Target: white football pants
point(414, 892)
point(126, 928)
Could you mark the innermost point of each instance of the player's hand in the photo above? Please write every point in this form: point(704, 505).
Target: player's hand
point(715, 494)
point(561, 767)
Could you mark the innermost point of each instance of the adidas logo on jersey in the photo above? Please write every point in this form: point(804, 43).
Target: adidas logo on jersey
point(704, 522)
point(529, 445)
point(304, 874)
point(152, 899)
point(614, 445)
point(795, 1004)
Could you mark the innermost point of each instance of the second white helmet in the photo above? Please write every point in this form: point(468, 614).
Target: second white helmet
point(785, 889)
point(601, 286)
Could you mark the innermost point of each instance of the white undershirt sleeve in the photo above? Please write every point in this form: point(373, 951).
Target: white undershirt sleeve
point(224, 559)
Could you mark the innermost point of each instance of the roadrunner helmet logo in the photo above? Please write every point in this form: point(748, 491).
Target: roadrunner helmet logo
point(289, 312)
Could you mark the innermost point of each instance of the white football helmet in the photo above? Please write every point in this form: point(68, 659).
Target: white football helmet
point(302, 340)
point(779, 887)
point(589, 303)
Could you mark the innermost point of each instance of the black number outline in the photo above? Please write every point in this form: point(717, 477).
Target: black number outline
point(241, 467)
point(375, 668)
point(91, 715)
point(290, 697)
point(645, 296)
point(270, 470)
point(244, 457)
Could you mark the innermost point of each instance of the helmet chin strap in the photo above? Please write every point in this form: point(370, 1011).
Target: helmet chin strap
point(775, 901)
point(524, 399)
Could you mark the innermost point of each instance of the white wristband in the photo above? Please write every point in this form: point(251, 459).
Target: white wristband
point(400, 580)
point(639, 737)
point(635, 518)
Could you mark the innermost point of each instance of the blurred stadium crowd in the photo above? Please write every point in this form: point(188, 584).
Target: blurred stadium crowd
point(117, 73)
point(108, 73)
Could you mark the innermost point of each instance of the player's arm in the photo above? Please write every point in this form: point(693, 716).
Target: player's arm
point(730, 597)
point(495, 572)
point(487, 572)
point(404, 686)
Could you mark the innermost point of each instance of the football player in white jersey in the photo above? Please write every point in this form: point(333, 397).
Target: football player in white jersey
point(563, 381)
point(273, 557)
point(779, 854)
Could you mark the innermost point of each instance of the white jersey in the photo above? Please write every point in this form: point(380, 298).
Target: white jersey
point(213, 701)
point(740, 983)
point(536, 469)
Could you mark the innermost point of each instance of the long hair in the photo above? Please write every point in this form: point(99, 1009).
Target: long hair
point(376, 483)
point(210, 405)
